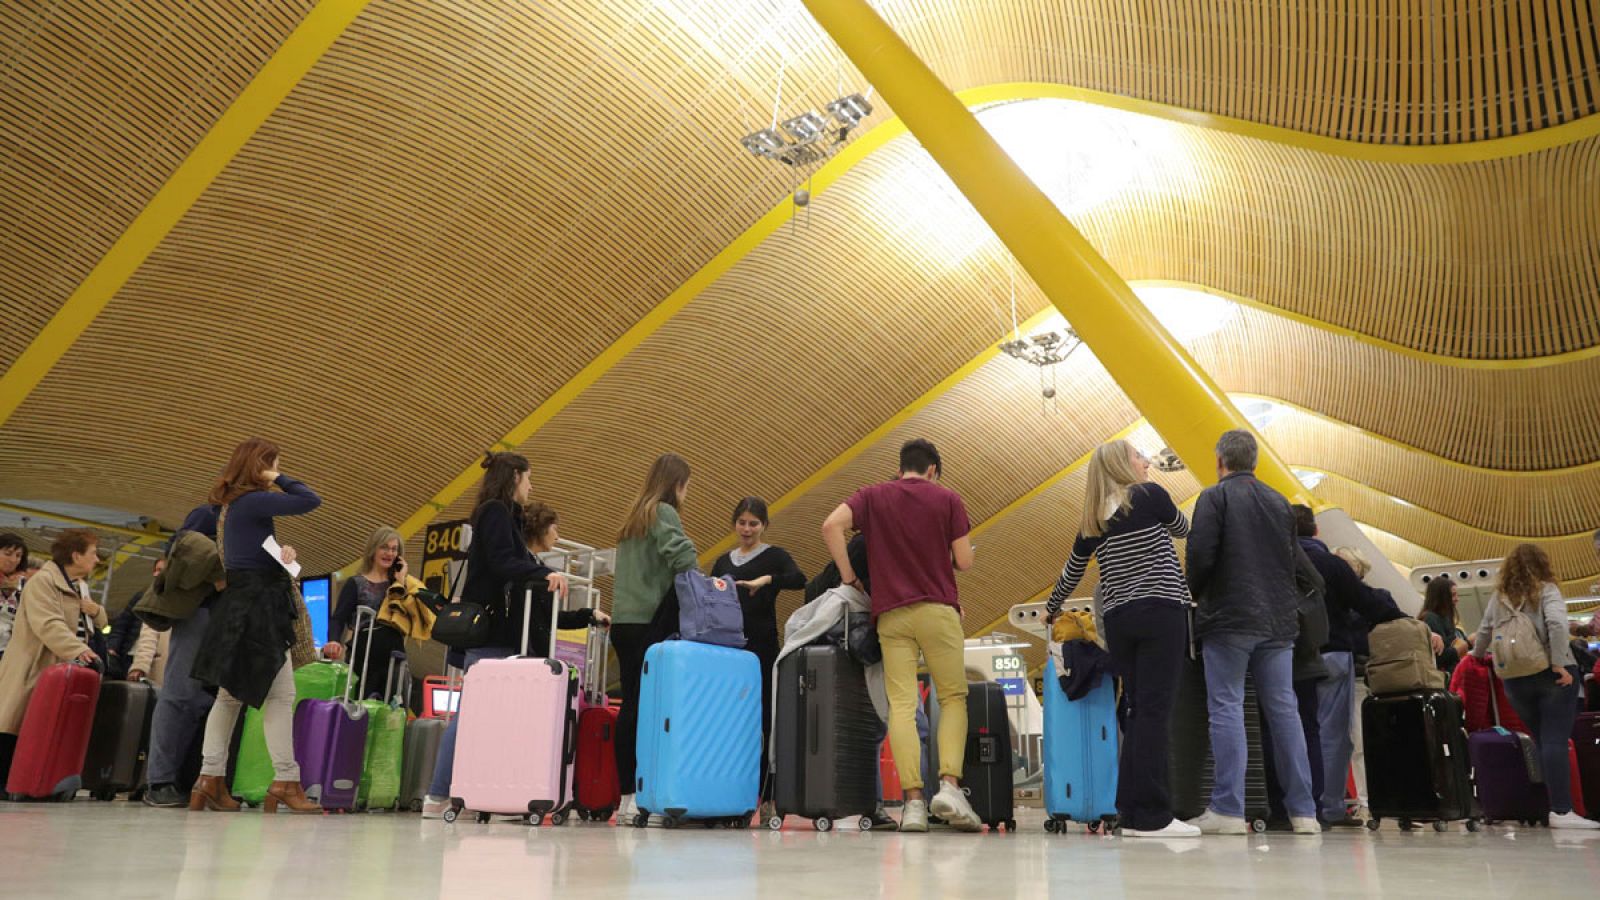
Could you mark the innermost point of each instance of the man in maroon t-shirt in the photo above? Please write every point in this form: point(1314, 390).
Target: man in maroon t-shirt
point(916, 532)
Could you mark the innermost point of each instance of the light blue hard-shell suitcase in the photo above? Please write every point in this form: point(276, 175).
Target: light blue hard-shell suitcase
point(699, 749)
point(1080, 754)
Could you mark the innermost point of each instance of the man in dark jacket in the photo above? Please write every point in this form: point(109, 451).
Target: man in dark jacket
point(1241, 571)
point(184, 703)
point(1353, 609)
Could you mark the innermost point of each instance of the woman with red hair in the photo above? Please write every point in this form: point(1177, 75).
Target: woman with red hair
point(245, 653)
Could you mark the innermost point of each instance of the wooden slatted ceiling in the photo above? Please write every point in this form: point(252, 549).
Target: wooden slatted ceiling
point(460, 200)
point(99, 102)
point(1528, 504)
point(893, 285)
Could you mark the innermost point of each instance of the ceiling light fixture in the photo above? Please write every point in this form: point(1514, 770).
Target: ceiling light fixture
point(809, 138)
point(1166, 460)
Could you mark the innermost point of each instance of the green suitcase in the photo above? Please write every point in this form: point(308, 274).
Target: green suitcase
point(253, 772)
point(386, 736)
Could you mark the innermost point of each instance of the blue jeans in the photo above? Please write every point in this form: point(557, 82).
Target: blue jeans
point(1549, 711)
point(1336, 702)
point(1228, 655)
point(444, 770)
point(183, 703)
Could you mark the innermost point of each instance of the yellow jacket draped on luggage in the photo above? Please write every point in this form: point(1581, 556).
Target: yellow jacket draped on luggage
point(46, 634)
point(405, 612)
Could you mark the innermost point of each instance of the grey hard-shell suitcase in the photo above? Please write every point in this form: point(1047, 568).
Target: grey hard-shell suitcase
point(826, 735)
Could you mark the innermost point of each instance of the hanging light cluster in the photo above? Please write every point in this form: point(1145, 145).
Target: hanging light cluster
point(809, 138)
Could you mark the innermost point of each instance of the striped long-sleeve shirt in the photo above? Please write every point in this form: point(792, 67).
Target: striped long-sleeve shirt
point(1137, 558)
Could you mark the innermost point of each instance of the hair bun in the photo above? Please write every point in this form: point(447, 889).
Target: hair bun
point(488, 459)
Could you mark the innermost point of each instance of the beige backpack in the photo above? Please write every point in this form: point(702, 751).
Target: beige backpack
point(1401, 659)
point(1514, 641)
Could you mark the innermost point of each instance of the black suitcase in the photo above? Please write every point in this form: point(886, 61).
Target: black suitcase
point(120, 739)
point(826, 735)
point(986, 773)
point(1422, 742)
point(1192, 770)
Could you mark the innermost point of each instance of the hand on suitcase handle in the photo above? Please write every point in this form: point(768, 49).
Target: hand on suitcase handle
point(90, 658)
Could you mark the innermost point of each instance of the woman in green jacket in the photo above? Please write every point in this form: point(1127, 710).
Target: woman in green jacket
point(651, 550)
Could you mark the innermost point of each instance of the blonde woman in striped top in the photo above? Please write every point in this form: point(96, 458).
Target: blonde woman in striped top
point(1129, 524)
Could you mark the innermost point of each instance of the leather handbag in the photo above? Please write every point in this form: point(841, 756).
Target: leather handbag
point(462, 625)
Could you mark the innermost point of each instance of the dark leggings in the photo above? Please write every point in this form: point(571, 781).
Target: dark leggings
point(631, 643)
point(1146, 640)
point(767, 652)
point(1549, 711)
point(1305, 694)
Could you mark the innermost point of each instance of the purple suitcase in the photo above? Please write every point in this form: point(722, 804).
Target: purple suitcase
point(1505, 769)
point(330, 744)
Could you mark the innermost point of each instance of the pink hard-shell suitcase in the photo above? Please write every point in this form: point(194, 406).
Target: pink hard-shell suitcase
point(517, 735)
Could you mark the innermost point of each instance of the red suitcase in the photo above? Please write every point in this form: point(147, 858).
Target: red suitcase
point(54, 738)
point(598, 791)
point(1586, 748)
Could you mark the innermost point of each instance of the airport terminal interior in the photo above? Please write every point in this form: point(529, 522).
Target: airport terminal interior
point(781, 240)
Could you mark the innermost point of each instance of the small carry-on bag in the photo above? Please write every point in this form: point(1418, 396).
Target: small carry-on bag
point(1586, 748)
point(986, 772)
point(825, 739)
point(699, 735)
point(421, 752)
point(709, 610)
point(54, 738)
point(1505, 768)
point(330, 742)
point(1424, 774)
point(518, 734)
point(386, 734)
point(1192, 770)
point(120, 739)
point(250, 763)
point(1080, 755)
point(598, 792)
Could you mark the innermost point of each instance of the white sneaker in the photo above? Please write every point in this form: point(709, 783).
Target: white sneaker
point(434, 807)
point(626, 810)
point(914, 817)
point(951, 805)
point(1211, 822)
point(1306, 825)
point(1572, 820)
point(1174, 829)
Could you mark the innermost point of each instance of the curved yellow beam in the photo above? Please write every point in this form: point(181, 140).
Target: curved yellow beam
point(298, 53)
point(1179, 398)
point(881, 134)
point(1467, 526)
point(154, 531)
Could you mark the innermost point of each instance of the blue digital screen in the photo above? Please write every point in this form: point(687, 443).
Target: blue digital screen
point(1014, 687)
point(318, 593)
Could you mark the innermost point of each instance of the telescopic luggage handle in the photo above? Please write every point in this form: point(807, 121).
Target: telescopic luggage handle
point(555, 611)
point(392, 689)
point(366, 655)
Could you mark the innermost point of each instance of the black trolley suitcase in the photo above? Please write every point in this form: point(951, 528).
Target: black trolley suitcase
point(1192, 770)
point(986, 773)
point(1422, 742)
point(120, 739)
point(826, 738)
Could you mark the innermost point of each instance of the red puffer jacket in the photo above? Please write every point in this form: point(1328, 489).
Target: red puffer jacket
point(1471, 683)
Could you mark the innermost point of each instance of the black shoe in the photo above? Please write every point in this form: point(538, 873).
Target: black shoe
point(882, 822)
point(1279, 825)
point(165, 796)
point(1346, 822)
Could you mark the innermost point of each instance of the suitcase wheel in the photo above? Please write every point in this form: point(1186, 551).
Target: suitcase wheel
point(1051, 826)
point(641, 820)
point(1441, 826)
point(537, 819)
point(483, 818)
point(1407, 825)
point(1472, 825)
point(1372, 823)
point(1011, 826)
point(865, 823)
point(1259, 826)
point(823, 824)
point(776, 822)
point(670, 822)
point(558, 819)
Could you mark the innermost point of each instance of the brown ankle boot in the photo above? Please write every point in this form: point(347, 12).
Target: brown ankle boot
point(290, 794)
point(211, 792)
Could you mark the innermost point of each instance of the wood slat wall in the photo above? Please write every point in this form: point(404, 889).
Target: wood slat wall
point(99, 101)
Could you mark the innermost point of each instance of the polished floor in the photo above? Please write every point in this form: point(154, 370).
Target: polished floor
point(88, 849)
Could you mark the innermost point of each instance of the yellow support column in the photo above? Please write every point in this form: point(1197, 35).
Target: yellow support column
point(1178, 398)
